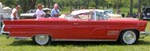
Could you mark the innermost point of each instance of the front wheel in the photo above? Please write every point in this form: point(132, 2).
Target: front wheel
point(41, 39)
point(128, 37)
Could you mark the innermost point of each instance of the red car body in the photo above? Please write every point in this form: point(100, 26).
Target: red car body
point(60, 28)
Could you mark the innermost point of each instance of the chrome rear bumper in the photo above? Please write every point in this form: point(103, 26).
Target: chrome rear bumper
point(144, 34)
point(5, 33)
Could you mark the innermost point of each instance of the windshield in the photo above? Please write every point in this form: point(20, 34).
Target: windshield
point(69, 17)
point(101, 16)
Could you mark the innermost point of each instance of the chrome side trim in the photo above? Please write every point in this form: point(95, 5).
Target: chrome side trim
point(21, 38)
point(82, 40)
point(24, 38)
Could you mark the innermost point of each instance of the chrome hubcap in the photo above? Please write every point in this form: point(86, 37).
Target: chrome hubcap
point(129, 37)
point(41, 39)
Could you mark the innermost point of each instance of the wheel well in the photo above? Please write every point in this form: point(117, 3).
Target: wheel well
point(136, 31)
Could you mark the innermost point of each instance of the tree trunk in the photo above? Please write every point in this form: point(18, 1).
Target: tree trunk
point(131, 7)
point(96, 3)
point(71, 6)
point(48, 3)
point(139, 9)
point(88, 1)
point(24, 4)
point(44, 3)
point(51, 3)
point(33, 2)
point(118, 6)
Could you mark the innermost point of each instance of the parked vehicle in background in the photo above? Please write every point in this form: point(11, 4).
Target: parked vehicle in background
point(146, 13)
point(31, 13)
point(5, 12)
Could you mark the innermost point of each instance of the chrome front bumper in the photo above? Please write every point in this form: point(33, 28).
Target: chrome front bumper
point(2, 32)
point(144, 34)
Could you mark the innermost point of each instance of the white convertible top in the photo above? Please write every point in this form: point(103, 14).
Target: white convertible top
point(76, 12)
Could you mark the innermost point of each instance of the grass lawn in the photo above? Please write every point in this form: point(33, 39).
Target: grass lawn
point(27, 45)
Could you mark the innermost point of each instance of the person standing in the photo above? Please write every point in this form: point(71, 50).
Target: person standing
point(14, 13)
point(55, 11)
point(39, 12)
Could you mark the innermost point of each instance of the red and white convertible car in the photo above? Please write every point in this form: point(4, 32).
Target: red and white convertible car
point(80, 25)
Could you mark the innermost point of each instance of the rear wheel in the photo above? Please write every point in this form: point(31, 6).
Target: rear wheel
point(128, 37)
point(42, 39)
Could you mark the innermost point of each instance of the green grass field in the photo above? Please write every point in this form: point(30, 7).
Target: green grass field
point(27, 45)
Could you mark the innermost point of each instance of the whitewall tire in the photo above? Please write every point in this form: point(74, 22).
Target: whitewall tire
point(41, 39)
point(128, 37)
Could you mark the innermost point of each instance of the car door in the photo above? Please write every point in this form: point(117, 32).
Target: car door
point(90, 29)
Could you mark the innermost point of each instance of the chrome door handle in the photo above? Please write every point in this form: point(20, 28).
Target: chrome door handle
point(75, 23)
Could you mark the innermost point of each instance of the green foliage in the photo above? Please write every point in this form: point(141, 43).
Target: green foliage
point(146, 2)
point(75, 4)
point(9, 2)
point(112, 3)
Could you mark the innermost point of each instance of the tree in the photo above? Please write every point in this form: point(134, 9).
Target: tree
point(33, 3)
point(77, 4)
point(27, 4)
point(48, 3)
point(44, 3)
point(9, 3)
point(139, 9)
point(96, 3)
point(146, 3)
point(131, 7)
